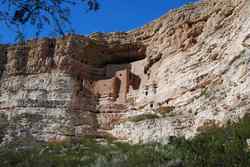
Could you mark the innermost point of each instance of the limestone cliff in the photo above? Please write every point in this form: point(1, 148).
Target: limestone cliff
point(177, 76)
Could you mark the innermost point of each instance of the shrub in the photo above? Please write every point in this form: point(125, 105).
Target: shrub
point(205, 93)
point(225, 147)
point(217, 147)
point(189, 5)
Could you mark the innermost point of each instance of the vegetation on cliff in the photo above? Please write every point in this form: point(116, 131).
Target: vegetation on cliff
point(225, 147)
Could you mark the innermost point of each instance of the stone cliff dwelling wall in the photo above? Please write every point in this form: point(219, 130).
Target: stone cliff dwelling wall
point(150, 90)
point(53, 89)
point(191, 64)
point(115, 87)
point(118, 78)
point(122, 80)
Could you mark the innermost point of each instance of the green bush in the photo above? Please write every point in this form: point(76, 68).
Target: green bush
point(189, 5)
point(86, 153)
point(224, 147)
point(205, 92)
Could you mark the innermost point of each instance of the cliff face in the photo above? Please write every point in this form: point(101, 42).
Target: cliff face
point(177, 76)
point(51, 90)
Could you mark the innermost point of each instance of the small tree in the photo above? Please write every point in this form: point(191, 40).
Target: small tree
point(39, 13)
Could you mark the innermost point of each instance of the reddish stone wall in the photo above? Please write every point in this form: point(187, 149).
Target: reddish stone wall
point(104, 87)
point(123, 76)
point(55, 84)
point(116, 83)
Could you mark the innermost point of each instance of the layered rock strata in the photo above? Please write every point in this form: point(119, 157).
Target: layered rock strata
point(52, 90)
point(177, 76)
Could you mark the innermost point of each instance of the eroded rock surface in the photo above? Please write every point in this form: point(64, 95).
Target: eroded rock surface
point(177, 76)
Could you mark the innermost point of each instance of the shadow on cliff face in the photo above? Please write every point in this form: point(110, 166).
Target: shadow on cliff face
point(98, 103)
point(82, 110)
point(21, 60)
point(135, 81)
point(97, 90)
point(100, 92)
point(3, 118)
point(103, 67)
point(3, 126)
point(3, 58)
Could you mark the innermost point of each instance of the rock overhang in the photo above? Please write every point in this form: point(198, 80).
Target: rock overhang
point(191, 56)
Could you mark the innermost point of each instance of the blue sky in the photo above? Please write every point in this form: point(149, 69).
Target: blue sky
point(114, 15)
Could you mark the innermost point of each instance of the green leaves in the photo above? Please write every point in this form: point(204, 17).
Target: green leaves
point(225, 147)
point(39, 14)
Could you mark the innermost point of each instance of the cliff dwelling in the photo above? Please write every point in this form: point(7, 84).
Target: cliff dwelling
point(191, 64)
point(91, 79)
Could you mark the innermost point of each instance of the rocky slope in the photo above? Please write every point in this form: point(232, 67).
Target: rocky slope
point(177, 76)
